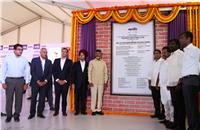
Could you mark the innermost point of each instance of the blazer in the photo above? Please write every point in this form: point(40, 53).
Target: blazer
point(80, 77)
point(37, 72)
point(65, 73)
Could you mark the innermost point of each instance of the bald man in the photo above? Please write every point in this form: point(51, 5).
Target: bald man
point(41, 75)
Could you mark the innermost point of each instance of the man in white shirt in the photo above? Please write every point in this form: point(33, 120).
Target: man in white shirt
point(153, 84)
point(190, 79)
point(165, 94)
point(15, 79)
point(174, 84)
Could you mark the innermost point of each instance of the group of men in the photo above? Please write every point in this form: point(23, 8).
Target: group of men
point(174, 83)
point(16, 73)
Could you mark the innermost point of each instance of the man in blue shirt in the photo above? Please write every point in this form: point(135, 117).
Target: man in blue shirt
point(15, 79)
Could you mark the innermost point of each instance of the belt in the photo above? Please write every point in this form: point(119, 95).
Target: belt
point(190, 76)
point(15, 77)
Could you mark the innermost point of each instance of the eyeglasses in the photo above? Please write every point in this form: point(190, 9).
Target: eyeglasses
point(19, 49)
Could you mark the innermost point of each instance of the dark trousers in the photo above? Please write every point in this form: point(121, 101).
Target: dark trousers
point(15, 87)
point(80, 98)
point(49, 95)
point(157, 102)
point(61, 91)
point(179, 106)
point(41, 104)
point(190, 93)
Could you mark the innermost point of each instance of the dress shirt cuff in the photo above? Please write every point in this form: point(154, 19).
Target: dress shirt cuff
point(89, 81)
point(57, 80)
point(27, 82)
point(3, 82)
point(45, 80)
point(65, 81)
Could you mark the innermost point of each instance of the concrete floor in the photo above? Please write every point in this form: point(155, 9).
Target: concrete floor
point(80, 122)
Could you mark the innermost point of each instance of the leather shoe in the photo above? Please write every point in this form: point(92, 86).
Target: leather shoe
point(84, 113)
point(76, 113)
point(31, 117)
point(64, 114)
point(41, 116)
point(154, 116)
point(16, 119)
point(8, 119)
point(93, 113)
point(55, 114)
point(100, 113)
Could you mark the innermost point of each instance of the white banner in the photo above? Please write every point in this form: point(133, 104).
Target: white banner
point(132, 55)
point(33, 50)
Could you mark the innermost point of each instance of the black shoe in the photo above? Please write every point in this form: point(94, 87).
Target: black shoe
point(31, 116)
point(55, 114)
point(64, 114)
point(76, 113)
point(52, 109)
point(84, 113)
point(163, 121)
point(8, 119)
point(3, 114)
point(16, 119)
point(29, 98)
point(100, 113)
point(170, 125)
point(154, 116)
point(94, 113)
point(161, 117)
point(41, 116)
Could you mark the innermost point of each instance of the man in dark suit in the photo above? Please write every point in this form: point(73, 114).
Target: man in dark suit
point(41, 72)
point(62, 76)
point(49, 95)
point(80, 82)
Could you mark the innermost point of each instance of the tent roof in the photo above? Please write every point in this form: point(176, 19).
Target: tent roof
point(19, 13)
point(16, 13)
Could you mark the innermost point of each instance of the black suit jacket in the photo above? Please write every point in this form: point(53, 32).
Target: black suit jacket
point(80, 77)
point(37, 72)
point(65, 73)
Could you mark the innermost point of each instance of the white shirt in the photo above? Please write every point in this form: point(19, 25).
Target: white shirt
point(15, 67)
point(82, 65)
point(191, 59)
point(43, 63)
point(174, 67)
point(153, 74)
point(62, 63)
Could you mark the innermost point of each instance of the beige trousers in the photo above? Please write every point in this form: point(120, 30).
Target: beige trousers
point(96, 97)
